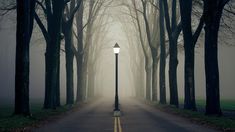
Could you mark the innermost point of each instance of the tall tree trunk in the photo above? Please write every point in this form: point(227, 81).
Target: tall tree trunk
point(69, 55)
point(146, 56)
point(142, 87)
point(162, 82)
point(173, 60)
point(85, 75)
point(52, 74)
point(212, 24)
point(79, 54)
point(57, 96)
point(148, 83)
point(153, 49)
point(173, 63)
point(88, 44)
point(189, 101)
point(52, 55)
point(25, 17)
point(185, 10)
point(173, 33)
point(154, 79)
point(67, 29)
point(80, 91)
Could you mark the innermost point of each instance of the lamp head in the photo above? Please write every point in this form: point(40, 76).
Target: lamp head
point(116, 48)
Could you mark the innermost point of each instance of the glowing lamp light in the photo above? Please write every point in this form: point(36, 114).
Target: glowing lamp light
point(116, 48)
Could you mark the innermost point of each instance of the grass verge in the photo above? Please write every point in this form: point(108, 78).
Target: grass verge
point(15, 123)
point(226, 124)
point(225, 104)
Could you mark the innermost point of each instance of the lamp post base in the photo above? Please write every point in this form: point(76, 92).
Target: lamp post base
point(116, 113)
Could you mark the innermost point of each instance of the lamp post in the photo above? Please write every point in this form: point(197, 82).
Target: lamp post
point(116, 50)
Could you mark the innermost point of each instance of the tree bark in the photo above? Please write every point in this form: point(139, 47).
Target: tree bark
point(154, 79)
point(67, 28)
point(80, 91)
point(213, 13)
point(25, 17)
point(162, 82)
point(173, 63)
point(148, 83)
point(185, 10)
point(69, 55)
point(146, 56)
point(153, 51)
point(173, 34)
point(79, 53)
point(52, 55)
point(88, 43)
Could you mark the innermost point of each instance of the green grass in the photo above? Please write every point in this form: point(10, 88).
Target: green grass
point(221, 123)
point(10, 122)
point(225, 104)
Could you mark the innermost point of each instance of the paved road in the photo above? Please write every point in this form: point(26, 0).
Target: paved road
point(136, 117)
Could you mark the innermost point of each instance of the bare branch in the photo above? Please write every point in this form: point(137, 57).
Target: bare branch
point(229, 11)
point(167, 18)
point(128, 14)
point(177, 30)
point(7, 9)
point(198, 30)
point(151, 2)
point(41, 5)
point(13, 7)
point(41, 26)
point(224, 2)
point(74, 10)
point(80, 32)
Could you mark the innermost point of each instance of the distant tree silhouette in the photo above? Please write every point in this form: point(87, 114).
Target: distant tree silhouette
point(173, 31)
point(67, 24)
point(79, 53)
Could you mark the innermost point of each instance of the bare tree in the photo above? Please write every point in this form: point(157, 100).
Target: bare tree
point(162, 82)
point(148, 62)
point(153, 48)
point(190, 40)
point(25, 18)
point(79, 53)
point(67, 24)
point(95, 7)
point(52, 34)
point(213, 10)
point(173, 31)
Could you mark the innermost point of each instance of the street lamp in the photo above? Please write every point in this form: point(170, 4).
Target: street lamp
point(116, 50)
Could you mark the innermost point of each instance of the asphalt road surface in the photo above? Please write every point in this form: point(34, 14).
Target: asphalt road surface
point(136, 117)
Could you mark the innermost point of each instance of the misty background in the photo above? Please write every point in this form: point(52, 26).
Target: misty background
point(104, 83)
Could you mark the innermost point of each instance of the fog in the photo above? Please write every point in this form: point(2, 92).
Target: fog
point(105, 72)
